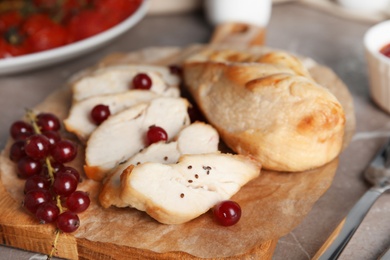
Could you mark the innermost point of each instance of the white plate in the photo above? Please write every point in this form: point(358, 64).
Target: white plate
point(45, 58)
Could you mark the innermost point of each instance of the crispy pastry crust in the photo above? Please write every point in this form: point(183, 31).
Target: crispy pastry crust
point(267, 107)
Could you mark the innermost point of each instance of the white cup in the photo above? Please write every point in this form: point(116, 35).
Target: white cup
point(378, 64)
point(257, 12)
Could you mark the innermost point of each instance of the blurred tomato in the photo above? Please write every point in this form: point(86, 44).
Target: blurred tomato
point(70, 8)
point(122, 8)
point(35, 23)
point(9, 19)
point(73, 20)
point(87, 23)
point(9, 50)
point(49, 37)
point(45, 3)
point(73, 4)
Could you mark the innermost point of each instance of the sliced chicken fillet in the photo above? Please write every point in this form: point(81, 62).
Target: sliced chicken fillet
point(79, 120)
point(118, 79)
point(123, 135)
point(196, 138)
point(177, 193)
point(157, 152)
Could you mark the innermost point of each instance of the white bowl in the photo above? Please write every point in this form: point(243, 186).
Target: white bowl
point(378, 64)
point(365, 5)
point(49, 57)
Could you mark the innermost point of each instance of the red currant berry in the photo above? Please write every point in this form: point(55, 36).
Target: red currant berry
point(156, 134)
point(64, 151)
point(64, 184)
point(36, 182)
point(227, 212)
point(17, 151)
point(33, 199)
point(24, 136)
point(176, 70)
point(37, 146)
point(47, 212)
point(48, 122)
point(20, 127)
point(68, 222)
point(53, 137)
point(28, 167)
point(100, 113)
point(71, 170)
point(78, 201)
point(142, 81)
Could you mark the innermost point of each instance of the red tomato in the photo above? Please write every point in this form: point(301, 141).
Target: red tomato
point(45, 3)
point(49, 37)
point(35, 23)
point(8, 50)
point(87, 23)
point(123, 8)
point(70, 8)
point(75, 20)
point(119, 5)
point(73, 4)
point(9, 19)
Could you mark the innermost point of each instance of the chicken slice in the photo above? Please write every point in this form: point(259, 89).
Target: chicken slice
point(79, 119)
point(177, 193)
point(123, 135)
point(118, 79)
point(110, 193)
point(196, 138)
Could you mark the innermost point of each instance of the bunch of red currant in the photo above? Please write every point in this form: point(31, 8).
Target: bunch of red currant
point(50, 187)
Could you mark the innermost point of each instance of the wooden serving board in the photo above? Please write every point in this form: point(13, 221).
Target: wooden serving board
point(273, 204)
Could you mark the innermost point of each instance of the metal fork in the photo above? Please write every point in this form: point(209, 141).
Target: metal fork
point(378, 174)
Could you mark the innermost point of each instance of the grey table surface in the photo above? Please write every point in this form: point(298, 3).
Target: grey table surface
point(330, 40)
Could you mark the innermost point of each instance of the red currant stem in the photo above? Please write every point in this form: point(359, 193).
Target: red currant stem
point(58, 200)
point(51, 175)
point(50, 170)
point(54, 248)
point(33, 119)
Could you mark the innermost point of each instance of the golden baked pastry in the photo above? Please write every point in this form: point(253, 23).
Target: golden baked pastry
point(268, 107)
